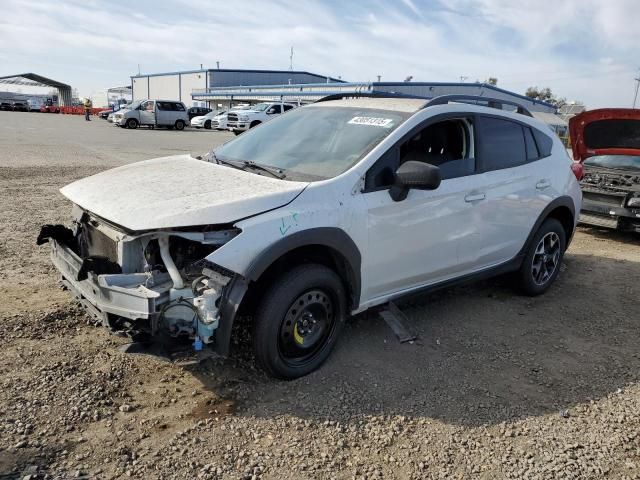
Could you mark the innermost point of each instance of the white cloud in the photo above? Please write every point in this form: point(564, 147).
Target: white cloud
point(581, 49)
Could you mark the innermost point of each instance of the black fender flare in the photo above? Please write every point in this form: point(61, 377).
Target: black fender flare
point(332, 237)
point(563, 201)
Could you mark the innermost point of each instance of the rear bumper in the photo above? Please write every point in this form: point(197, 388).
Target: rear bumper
point(124, 295)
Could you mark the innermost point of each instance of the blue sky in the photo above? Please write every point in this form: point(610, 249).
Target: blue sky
point(583, 49)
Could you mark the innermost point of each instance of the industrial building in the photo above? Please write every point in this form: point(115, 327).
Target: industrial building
point(181, 85)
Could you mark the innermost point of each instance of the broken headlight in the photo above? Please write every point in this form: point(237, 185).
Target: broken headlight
point(634, 202)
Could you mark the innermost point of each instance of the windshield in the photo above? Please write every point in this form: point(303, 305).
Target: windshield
point(260, 107)
point(132, 105)
point(624, 162)
point(314, 142)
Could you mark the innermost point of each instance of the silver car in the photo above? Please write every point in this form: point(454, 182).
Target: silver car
point(154, 113)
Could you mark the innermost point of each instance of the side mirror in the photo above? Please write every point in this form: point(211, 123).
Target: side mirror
point(411, 174)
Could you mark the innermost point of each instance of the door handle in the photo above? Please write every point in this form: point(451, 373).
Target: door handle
point(474, 197)
point(542, 184)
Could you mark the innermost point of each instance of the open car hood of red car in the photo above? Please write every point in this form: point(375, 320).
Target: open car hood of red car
point(607, 131)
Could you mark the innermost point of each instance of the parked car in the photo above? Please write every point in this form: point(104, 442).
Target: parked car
point(204, 121)
point(104, 114)
point(239, 122)
point(330, 210)
point(153, 113)
point(198, 112)
point(6, 105)
point(20, 106)
point(607, 144)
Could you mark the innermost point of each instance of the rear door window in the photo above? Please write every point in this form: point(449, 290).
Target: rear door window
point(501, 143)
point(178, 107)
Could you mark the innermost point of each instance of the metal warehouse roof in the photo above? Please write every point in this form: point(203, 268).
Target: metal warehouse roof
point(35, 80)
point(32, 80)
point(239, 70)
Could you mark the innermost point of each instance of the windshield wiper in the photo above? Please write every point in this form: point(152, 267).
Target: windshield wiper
point(276, 172)
point(220, 161)
point(244, 164)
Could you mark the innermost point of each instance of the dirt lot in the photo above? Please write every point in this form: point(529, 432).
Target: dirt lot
point(498, 385)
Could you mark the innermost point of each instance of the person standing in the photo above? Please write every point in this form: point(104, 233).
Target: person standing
point(87, 109)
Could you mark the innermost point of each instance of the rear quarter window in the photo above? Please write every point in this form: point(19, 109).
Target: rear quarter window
point(501, 143)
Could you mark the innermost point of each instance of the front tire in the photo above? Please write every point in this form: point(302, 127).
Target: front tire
point(179, 124)
point(132, 123)
point(298, 321)
point(543, 259)
point(207, 125)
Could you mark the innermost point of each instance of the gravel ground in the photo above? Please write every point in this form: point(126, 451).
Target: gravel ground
point(497, 385)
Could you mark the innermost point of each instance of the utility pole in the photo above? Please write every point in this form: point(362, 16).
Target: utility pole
point(379, 77)
point(291, 60)
point(635, 97)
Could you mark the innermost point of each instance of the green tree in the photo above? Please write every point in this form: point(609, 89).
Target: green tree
point(545, 95)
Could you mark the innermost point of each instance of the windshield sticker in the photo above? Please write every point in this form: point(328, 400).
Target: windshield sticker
point(373, 121)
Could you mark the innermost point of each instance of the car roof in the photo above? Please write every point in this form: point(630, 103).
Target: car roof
point(409, 105)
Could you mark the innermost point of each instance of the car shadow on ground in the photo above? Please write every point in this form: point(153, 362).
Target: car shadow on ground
point(484, 354)
point(609, 234)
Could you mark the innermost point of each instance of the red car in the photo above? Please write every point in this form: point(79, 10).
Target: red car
point(606, 147)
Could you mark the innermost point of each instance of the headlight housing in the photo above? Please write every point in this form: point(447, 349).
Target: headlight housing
point(634, 201)
point(243, 119)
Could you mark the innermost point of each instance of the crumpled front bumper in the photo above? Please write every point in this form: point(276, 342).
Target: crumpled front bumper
point(124, 295)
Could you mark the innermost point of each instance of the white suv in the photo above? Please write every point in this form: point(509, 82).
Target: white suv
point(242, 121)
point(335, 208)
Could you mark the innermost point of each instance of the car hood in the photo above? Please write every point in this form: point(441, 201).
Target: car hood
point(606, 131)
point(178, 191)
point(198, 119)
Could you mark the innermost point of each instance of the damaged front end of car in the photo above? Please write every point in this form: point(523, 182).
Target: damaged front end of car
point(149, 282)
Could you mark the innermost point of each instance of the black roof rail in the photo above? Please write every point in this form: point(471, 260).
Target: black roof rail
point(340, 96)
point(491, 102)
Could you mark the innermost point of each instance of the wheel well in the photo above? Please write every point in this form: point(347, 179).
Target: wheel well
point(565, 217)
point(320, 254)
point(255, 123)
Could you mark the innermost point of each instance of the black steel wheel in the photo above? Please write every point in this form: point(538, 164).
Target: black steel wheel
point(298, 321)
point(132, 123)
point(541, 264)
point(179, 124)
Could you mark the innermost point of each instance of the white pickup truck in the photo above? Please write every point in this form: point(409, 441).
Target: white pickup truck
point(242, 121)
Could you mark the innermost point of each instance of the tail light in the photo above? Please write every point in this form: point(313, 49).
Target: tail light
point(578, 170)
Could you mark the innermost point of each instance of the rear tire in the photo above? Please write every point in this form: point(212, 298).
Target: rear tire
point(541, 264)
point(179, 124)
point(298, 321)
point(132, 123)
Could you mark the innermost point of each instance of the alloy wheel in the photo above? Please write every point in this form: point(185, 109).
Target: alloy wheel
point(546, 258)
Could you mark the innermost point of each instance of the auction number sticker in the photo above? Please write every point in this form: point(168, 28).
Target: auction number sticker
point(373, 121)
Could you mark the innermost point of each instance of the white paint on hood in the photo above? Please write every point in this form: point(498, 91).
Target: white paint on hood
point(178, 191)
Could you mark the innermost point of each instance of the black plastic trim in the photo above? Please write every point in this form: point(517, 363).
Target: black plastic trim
point(235, 291)
point(564, 201)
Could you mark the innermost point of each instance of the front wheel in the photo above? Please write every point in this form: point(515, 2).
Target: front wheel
point(298, 321)
point(541, 265)
point(132, 123)
point(179, 124)
point(207, 124)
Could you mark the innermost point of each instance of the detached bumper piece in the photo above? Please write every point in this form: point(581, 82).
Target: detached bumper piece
point(124, 295)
